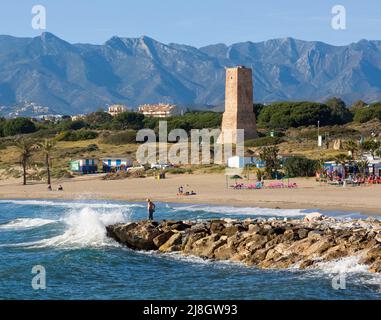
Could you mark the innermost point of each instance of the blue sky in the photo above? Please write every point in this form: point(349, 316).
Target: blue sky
point(195, 22)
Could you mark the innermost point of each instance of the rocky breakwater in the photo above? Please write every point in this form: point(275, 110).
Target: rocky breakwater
point(262, 243)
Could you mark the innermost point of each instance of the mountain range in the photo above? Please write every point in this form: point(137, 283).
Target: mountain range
point(78, 78)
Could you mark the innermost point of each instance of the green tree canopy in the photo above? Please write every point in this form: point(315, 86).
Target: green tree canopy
point(128, 120)
point(295, 114)
point(368, 113)
point(18, 126)
point(339, 111)
point(98, 118)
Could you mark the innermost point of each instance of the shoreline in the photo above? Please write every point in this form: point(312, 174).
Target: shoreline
point(211, 190)
point(268, 205)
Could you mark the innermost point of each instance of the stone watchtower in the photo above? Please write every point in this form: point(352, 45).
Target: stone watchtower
point(239, 113)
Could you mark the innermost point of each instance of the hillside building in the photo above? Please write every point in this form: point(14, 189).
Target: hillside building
point(115, 109)
point(159, 110)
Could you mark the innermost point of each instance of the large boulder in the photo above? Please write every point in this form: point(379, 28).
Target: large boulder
point(162, 238)
point(172, 244)
point(216, 226)
point(206, 246)
point(137, 236)
point(233, 229)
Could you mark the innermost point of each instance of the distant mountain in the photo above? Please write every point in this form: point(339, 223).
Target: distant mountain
point(78, 78)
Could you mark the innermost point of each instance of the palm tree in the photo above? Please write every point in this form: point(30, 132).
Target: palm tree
point(352, 147)
point(363, 165)
point(342, 160)
point(372, 146)
point(25, 148)
point(47, 148)
point(269, 155)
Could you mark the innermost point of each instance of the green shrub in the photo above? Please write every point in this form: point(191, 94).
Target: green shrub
point(264, 141)
point(92, 147)
point(179, 170)
point(77, 135)
point(125, 137)
point(366, 114)
point(190, 120)
point(300, 167)
point(98, 119)
point(68, 124)
point(127, 120)
point(17, 126)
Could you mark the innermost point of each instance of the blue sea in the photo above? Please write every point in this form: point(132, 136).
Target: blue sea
point(68, 239)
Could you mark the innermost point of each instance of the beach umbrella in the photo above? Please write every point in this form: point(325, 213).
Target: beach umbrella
point(236, 177)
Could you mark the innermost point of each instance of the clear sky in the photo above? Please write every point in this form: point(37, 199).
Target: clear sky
point(195, 22)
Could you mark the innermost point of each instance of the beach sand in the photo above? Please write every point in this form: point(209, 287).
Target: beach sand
point(210, 189)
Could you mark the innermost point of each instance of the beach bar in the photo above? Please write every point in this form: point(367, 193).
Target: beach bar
point(115, 164)
point(84, 166)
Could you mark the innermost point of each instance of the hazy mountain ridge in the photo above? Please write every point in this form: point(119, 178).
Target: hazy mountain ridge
point(77, 78)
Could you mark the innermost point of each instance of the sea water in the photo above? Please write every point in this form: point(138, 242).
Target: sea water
point(68, 239)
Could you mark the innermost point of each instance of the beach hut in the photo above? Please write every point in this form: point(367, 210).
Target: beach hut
point(115, 164)
point(84, 165)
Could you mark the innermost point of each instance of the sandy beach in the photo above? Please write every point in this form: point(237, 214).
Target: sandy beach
point(210, 188)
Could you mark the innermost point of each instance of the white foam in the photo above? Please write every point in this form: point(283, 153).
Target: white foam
point(351, 268)
point(252, 211)
point(344, 265)
point(84, 228)
point(192, 259)
point(25, 223)
point(71, 204)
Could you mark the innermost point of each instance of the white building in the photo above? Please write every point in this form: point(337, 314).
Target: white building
point(159, 110)
point(78, 117)
point(112, 164)
point(115, 109)
point(241, 162)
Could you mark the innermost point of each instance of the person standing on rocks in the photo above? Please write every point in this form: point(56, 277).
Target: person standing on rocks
point(150, 208)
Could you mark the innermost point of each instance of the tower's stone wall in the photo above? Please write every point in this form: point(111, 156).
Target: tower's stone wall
point(239, 113)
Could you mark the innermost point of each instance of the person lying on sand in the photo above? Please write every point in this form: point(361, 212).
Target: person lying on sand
point(191, 193)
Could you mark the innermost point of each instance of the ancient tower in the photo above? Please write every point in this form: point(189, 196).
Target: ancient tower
point(239, 113)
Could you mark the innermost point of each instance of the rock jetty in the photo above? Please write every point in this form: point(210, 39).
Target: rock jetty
point(262, 243)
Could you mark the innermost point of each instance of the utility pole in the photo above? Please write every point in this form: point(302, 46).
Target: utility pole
point(319, 139)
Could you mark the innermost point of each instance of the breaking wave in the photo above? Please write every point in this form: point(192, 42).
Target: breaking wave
point(25, 223)
point(345, 265)
point(83, 228)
